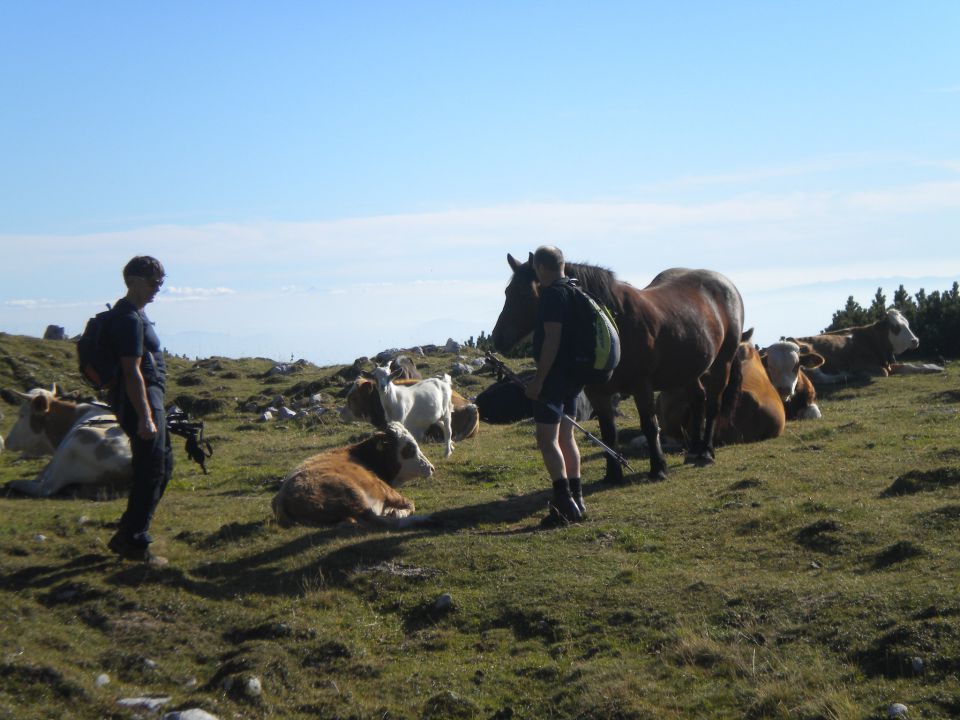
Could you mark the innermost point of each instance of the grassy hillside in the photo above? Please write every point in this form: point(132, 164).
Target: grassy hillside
point(814, 576)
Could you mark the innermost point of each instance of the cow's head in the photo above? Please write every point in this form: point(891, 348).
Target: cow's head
point(361, 401)
point(411, 461)
point(901, 337)
point(27, 435)
point(783, 361)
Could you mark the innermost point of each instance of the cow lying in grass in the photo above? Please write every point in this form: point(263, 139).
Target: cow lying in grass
point(354, 483)
point(783, 362)
point(89, 449)
point(863, 350)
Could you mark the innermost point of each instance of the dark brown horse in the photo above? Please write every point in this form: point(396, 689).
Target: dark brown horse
point(681, 331)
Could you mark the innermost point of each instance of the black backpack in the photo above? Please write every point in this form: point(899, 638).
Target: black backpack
point(595, 342)
point(99, 365)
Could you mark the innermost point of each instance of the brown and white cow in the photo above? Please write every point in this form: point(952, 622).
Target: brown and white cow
point(751, 409)
point(354, 483)
point(363, 403)
point(784, 362)
point(862, 350)
point(89, 449)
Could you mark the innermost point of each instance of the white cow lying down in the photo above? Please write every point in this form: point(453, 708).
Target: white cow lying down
point(89, 449)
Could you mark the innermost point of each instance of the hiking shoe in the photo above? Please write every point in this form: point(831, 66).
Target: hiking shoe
point(563, 509)
point(138, 553)
point(576, 492)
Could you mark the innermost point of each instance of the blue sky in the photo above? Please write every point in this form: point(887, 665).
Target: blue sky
point(326, 180)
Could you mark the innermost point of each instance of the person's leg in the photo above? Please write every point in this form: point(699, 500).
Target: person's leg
point(567, 442)
point(548, 443)
point(562, 506)
point(152, 463)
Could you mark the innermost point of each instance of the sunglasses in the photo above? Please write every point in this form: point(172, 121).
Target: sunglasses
point(152, 282)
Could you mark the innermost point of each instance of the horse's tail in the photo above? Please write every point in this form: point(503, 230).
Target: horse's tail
point(734, 389)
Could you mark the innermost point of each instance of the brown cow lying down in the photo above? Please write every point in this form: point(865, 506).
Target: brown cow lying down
point(751, 409)
point(864, 350)
point(353, 483)
point(363, 403)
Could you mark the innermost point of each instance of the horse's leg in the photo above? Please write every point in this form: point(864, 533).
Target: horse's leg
point(651, 430)
point(717, 380)
point(697, 430)
point(603, 406)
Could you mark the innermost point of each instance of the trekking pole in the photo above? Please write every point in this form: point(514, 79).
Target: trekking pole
point(512, 377)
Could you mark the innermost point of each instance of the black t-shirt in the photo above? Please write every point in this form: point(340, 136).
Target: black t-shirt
point(132, 335)
point(556, 302)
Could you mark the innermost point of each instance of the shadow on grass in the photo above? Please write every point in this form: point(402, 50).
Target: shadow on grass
point(268, 572)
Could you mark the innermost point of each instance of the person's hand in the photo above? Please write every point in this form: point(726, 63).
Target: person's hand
point(147, 429)
point(533, 388)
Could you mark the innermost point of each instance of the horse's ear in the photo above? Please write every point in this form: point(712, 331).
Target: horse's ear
point(512, 262)
point(747, 334)
point(530, 259)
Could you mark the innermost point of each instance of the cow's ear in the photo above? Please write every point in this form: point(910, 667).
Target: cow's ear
point(812, 360)
point(381, 445)
point(40, 405)
point(54, 390)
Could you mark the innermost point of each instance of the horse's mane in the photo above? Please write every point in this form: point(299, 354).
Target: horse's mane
point(597, 281)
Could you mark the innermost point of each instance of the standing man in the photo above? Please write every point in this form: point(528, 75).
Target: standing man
point(138, 401)
point(552, 390)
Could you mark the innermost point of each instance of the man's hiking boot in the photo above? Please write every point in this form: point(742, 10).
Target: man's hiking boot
point(131, 551)
point(576, 492)
point(563, 509)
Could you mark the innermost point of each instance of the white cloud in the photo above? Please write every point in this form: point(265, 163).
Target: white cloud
point(334, 290)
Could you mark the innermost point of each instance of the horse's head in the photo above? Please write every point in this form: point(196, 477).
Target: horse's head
point(519, 312)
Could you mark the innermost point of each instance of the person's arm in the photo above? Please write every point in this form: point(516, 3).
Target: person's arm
point(136, 389)
point(548, 354)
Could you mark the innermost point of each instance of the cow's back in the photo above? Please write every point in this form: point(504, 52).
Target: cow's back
point(329, 488)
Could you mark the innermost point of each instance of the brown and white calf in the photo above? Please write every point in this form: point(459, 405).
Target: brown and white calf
point(863, 350)
point(88, 447)
point(363, 403)
point(784, 362)
point(354, 483)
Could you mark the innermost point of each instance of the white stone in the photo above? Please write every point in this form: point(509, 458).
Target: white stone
point(897, 710)
point(39, 537)
point(253, 688)
point(265, 416)
point(191, 714)
point(917, 664)
point(151, 705)
point(102, 679)
point(444, 602)
point(286, 413)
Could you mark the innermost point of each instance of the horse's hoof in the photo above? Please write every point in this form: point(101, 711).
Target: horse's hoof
point(699, 460)
point(614, 480)
point(657, 476)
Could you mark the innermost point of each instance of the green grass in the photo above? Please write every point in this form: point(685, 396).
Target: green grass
point(796, 578)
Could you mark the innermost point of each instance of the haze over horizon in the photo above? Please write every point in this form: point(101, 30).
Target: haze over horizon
point(328, 181)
